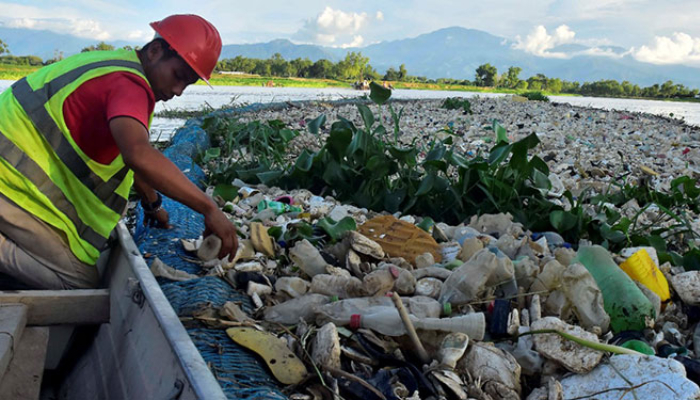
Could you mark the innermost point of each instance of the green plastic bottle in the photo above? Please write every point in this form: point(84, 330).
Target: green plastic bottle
point(627, 306)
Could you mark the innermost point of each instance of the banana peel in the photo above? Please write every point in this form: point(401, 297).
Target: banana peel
point(261, 239)
point(285, 366)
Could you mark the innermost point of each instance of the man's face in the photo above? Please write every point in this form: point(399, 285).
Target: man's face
point(169, 76)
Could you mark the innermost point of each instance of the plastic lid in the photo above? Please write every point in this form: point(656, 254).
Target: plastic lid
point(355, 320)
point(447, 309)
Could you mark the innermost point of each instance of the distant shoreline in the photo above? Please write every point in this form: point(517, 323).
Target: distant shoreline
point(15, 72)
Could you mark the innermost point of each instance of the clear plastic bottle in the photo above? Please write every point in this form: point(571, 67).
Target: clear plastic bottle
point(388, 322)
point(341, 311)
point(626, 305)
point(291, 311)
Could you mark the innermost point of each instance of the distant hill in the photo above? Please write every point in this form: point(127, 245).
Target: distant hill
point(446, 53)
point(24, 42)
point(456, 53)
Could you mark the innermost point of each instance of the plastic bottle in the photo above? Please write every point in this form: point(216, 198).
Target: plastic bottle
point(277, 207)
point(626, 305)
point(339, 285)
point(291, 311)
point(483, 270)
point(340, 312)
point(388, 322)
point(308, 258)
point(292, 286)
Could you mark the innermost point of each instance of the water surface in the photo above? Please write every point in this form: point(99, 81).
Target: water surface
point(199, 97)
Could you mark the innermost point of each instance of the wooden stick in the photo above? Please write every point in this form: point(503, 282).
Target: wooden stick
point(418, 346)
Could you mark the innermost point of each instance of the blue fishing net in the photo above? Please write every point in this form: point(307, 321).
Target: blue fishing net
point(241, 374)
point(239, 371)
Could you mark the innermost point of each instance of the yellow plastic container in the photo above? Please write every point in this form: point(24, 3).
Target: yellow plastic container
point(641, 268)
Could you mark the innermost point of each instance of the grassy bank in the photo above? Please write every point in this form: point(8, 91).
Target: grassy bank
point(14, 72)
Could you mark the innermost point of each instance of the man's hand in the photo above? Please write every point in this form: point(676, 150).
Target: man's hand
point(216, 222)
point(157, 219)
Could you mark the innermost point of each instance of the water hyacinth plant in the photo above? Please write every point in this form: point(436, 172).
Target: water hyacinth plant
point(368, 167)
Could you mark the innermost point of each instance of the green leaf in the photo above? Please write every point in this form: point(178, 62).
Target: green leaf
point(436, 153)
point(367, 115)
point(406, 155)
point(339, 139)
point(276, 232)
point(562, 220)
point(436, 165)
point(315, 125)
point(270, 177)
point(287, 134)
point(359, 143)
point(691, 260)
point(393, 200)
point(226, 191)
point(378, 94)
point(305, 161)
point(212, 153)
point(499, 153)
point(501, 134)
point(612, 235)
point(540, 180)
point(657, 242)
point(336, 229)
point(426, 185)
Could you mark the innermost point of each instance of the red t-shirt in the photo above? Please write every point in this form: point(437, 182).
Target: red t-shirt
point(89, 109)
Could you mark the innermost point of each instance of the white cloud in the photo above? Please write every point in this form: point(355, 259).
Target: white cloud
point(356, 42)
point(681, 48)
point(336, 28)
point(85, 28)
point(539, 42)
point(140, 35)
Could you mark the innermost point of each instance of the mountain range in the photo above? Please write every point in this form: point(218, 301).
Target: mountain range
point(453, 52)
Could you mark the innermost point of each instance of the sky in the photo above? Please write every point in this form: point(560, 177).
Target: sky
point(655, 31)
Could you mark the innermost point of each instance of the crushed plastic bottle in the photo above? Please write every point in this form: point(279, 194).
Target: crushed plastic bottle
point(339, 285)
point(626, 305)
point(484, 270)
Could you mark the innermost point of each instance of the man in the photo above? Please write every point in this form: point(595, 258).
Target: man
point(74, 137)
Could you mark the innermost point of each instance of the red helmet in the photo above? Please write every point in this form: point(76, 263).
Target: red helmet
point(194, 39)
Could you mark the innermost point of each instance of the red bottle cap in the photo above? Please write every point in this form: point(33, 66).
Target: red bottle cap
point(355, 320)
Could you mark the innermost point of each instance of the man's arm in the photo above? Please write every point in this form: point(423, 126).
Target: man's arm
point(153, 168)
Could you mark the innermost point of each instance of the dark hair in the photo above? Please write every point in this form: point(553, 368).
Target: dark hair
point(168, 52)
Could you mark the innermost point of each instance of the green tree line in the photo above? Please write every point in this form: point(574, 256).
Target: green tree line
point(356, 67)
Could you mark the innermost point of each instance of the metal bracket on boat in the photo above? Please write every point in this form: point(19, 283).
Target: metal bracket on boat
point(135, 292)
point(177, 390)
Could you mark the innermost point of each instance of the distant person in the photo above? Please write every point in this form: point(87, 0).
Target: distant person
point(74, 138)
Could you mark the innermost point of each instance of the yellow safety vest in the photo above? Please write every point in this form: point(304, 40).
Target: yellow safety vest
point(41, 167)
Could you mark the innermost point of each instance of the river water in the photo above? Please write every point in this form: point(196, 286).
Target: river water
point(198, 96)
